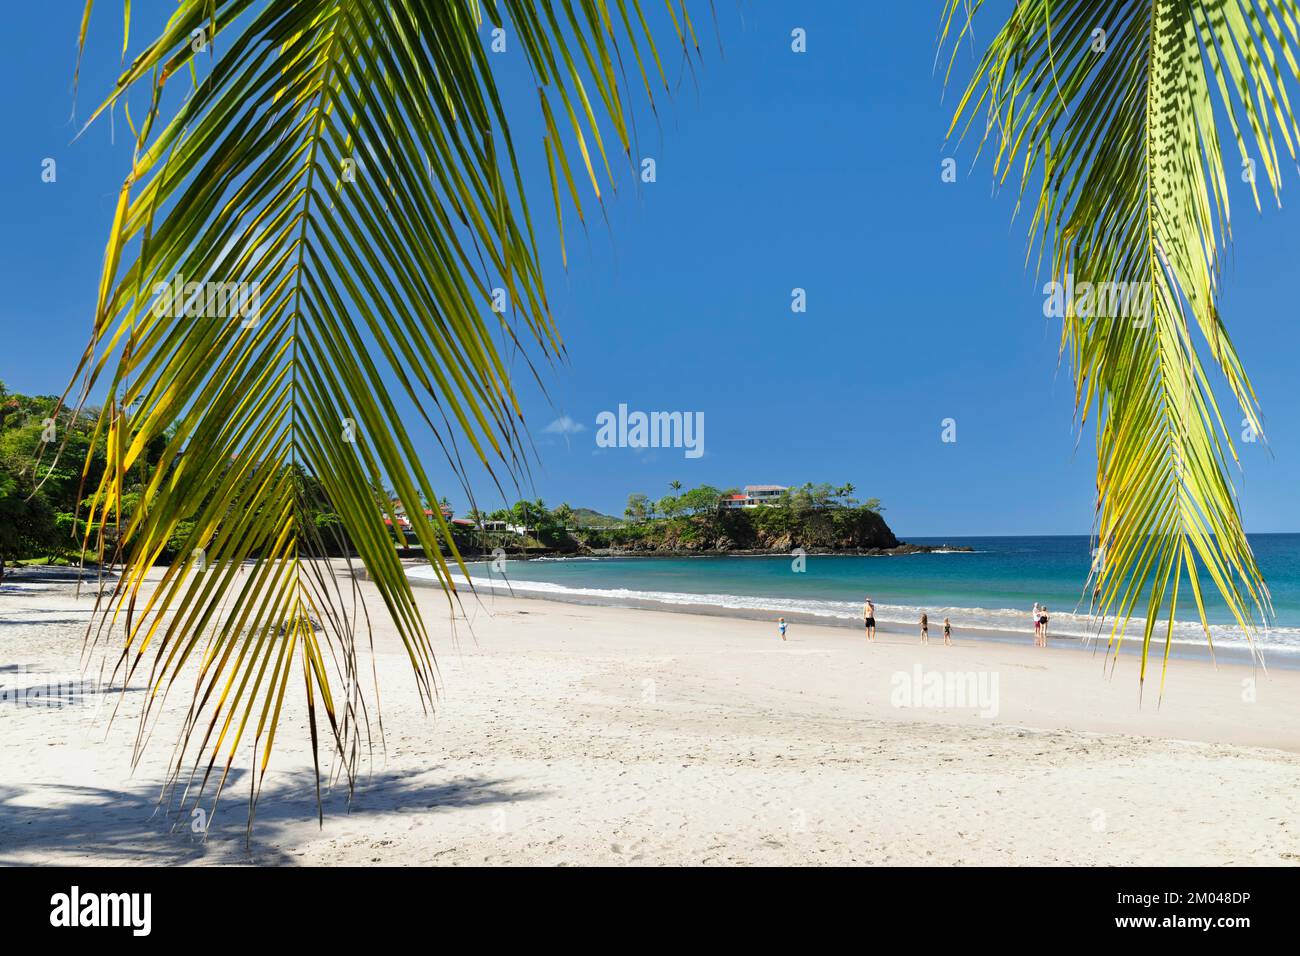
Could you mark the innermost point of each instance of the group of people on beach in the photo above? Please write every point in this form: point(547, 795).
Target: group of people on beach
point(869, 616)
point(925, 629)
point(1040, 624)
point(869, 622)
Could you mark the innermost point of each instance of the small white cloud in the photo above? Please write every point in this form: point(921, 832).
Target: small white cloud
point(564, 426)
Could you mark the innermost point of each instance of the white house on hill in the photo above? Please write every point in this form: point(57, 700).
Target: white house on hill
point(755, 495)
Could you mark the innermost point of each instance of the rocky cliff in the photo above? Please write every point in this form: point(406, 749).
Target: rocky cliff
point(755, 530)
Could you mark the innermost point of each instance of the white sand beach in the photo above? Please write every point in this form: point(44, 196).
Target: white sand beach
point(593, 735)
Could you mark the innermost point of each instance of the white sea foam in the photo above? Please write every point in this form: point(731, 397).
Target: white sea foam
point(1063, 624)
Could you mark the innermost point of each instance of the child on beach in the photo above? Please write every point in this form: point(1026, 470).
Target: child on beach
point(947, 633)
point(780, 626)
point(925, 628)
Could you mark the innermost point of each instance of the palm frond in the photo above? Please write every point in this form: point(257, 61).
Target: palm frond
point(350, 162)
point(1115, 113)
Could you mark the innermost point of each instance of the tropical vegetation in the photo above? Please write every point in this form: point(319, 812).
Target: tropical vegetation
point(813, 516)
point(809, 516)
point(40, 506)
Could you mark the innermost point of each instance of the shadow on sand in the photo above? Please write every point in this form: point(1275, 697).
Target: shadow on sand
point(66, 824)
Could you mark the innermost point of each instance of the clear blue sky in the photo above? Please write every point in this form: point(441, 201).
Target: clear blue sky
point(775, 170)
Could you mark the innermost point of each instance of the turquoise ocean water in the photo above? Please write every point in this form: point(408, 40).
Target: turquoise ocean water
point(990, 589)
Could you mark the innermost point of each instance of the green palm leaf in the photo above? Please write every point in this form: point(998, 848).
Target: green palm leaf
point(353, 159)
point(1108, 109)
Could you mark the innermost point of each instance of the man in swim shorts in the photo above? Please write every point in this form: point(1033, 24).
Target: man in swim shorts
point(869, 616)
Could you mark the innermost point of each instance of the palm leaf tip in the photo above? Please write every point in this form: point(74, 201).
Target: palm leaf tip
point(1110, 112)
point(354, 161)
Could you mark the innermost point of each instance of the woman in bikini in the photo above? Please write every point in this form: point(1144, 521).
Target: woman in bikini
point(925, 628)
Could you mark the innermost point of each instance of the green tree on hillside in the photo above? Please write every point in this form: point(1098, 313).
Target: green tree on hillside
point(638, 507)
point(702, 500)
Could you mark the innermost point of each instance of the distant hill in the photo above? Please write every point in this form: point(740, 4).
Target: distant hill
point(586, 518)
point(770, 530)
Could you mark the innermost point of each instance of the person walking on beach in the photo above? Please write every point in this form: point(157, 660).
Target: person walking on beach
point(925, 628)
point(780, 626)
point(1042, 627)
point(1037, 618)
point(947, 633)
point(869, 617)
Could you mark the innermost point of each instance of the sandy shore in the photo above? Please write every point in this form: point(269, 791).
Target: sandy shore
point(575, 734)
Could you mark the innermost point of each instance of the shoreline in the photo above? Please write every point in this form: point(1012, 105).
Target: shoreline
point(1228, 656)
point(901, 550)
